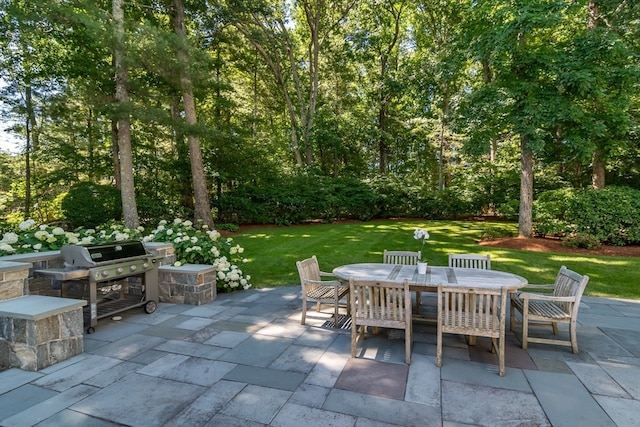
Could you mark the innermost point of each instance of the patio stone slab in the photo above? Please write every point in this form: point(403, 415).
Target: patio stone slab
point(207, 405)
point(509, 408)
point(255, 403)
point(129, 347)
point(228, 339)
point(265, 377)
point(375, 378)
point(163, 399)
point(73, 418)
point(597, 380)
point(630, 341)
point(293, 415)
point(423, 382)
point(14, 378)
point(391, 411)
point(625, 375)
point(298, 358)
point(192, 349)
point(624, 412)
point(21, 399)
point(49, 407)
point(566, 401)
point(481, 374)
point(76, 373)
point(258, 350)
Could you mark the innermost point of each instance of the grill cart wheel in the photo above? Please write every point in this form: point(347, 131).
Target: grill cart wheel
point(150, 307)
point(91, 330)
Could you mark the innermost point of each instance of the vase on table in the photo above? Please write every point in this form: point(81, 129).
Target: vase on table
point(422, 267)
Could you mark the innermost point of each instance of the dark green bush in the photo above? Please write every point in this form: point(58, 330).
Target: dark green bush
point(611, 215)
point(88, 204)
point(581, 241)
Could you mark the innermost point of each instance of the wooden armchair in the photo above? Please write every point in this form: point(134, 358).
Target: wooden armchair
point(314, 289)
point(401, 257)
point(482, 262)
point(550, 309)
point(477, 312)
point(380, 304)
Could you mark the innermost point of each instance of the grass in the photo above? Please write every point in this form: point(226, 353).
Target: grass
point(273, 251)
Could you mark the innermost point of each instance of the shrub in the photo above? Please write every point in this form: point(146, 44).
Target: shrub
point(581, 241)
point(89, 204)
point(611, 215)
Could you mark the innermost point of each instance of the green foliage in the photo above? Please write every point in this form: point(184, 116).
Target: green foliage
point(91, 204)
point(498, 231)
point(581, 241)
point(227, 227)
point(610, 215)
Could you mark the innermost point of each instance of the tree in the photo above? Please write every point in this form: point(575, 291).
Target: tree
point(129, 207)
point(200, 191)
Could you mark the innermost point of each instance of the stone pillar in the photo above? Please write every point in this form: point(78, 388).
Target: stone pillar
point(193, 284)
point(13, 279)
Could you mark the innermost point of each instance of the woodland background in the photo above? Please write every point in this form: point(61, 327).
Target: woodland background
point(269, 111)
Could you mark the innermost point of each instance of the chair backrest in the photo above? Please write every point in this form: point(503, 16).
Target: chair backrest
point(569, 284)
point(308, 269)
point(472, 311)
point(380, 303)
point(482, 262)
point(401, 257)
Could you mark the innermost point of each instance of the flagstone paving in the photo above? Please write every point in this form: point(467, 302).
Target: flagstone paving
point(245, 360)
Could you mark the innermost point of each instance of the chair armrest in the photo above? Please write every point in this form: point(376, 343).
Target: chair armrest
point(529, 286)
point(325, 274)
point(542, 297)
point(327, 283)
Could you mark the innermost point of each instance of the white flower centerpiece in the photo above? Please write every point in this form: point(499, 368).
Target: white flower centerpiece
point(422, 235)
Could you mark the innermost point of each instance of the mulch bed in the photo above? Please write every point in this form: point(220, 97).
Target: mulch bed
point(540, 244)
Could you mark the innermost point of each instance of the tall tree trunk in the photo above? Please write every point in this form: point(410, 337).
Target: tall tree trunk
point(597, 158)
point(525, 221)
point(127, 189)
point(114, 154)
point(184, 180)
point(30, 127)
point(200, 190)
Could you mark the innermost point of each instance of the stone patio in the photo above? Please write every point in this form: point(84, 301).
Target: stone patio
point(245, 360)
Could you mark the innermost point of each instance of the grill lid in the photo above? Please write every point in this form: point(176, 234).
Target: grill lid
point(80, 256)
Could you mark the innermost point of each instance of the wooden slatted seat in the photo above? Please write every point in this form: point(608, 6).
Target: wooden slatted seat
point(550, 309)
point(319, 291)
point(380, 304)
point(401, 257)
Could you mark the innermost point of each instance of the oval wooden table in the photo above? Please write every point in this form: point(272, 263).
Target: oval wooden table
point(428, 282)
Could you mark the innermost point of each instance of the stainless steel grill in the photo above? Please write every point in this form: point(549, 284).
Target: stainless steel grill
point(106, 267)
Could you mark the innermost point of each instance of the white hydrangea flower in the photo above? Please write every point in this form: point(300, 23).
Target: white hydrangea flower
point(121, 236)
point(162, 222)
point(221, 275)
point(177, 221)
point(6, 247)
point(43, 227)
point(25, 225)
point(51, 239)
point(10, 238)
point(188, 223)
point(37, 246)
point(160, 228)
point(86, 240)
point(58, 231)
point(177, 264)
point(177, 240)
point(194, 239)
point(169, 232)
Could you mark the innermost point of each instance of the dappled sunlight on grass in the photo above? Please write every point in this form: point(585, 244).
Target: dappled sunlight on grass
point(273, 251)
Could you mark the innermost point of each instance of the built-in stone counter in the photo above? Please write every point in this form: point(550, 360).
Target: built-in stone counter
point(40, 330)
point(193, 284)
point(13, 279)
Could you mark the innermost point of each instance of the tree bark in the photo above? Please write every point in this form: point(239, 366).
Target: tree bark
point(597, 158)
point(525, 220)
point(127, 189)
point(200, 191)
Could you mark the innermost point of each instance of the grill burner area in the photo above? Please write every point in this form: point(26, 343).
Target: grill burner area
point(106, 267)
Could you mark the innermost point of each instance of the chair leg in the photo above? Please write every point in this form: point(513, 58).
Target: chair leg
point(573, 336)
point(418, 298)
point(501, 355)
point(304, 311)
point(335, 314)
point(439, 347)
point(554, 325)
point(354, 339)
point(525, 331)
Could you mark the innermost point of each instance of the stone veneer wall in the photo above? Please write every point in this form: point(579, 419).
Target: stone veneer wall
point(35, 344)
point(192, 284)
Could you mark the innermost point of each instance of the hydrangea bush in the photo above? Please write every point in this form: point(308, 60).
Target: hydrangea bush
point(193, 244)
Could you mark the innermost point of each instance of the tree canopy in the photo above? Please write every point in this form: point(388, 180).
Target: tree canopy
point(502, 98)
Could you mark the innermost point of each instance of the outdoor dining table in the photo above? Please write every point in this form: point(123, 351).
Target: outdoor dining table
point(428, 282)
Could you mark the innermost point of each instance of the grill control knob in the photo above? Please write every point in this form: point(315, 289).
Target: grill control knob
point(119, 270)
point(145, 265)
point(105, 273)
point(133, 267)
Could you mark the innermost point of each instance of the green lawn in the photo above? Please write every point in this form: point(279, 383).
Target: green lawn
point(273, 251)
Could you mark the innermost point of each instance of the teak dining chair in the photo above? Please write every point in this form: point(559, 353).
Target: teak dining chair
point(401, 257)
point(314, 289)
point(380, 304)
point(551, 309)
point(470, 261)
point(478, 312)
